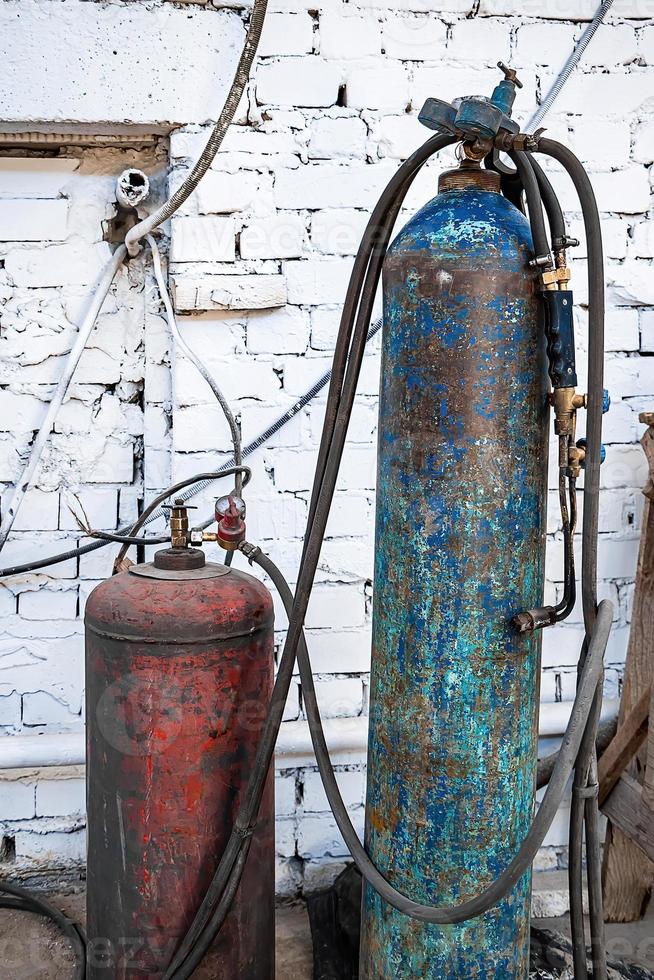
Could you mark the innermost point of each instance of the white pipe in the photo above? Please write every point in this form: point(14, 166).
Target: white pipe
point(347, 739)
point(43, 434)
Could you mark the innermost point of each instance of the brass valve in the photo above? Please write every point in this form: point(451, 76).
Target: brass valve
point(179, 529)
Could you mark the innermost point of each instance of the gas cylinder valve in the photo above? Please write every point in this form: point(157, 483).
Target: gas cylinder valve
point(476, 117)
point(179, 530)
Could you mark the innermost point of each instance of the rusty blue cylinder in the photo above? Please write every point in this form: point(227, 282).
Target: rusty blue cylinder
point(460, 545)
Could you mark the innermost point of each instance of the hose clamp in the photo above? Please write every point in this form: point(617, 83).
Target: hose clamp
point(589, 792)
point(249, 550)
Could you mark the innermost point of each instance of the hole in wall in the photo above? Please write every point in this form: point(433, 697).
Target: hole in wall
point(7, 849)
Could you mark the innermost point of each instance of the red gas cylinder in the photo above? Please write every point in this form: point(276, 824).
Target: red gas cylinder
point(179, 670)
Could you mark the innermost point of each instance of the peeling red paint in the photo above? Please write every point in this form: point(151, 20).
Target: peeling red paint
point(174, 671)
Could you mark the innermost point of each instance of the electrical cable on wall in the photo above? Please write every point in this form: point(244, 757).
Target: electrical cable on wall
point(167, 210)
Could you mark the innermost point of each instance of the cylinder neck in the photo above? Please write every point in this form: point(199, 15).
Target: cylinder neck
point(469, 175)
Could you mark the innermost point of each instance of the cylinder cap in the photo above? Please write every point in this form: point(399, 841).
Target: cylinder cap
point(469, 175)
point(179, 559)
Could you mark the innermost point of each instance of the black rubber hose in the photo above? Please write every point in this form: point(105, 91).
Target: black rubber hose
point(535, 208)
point(605, 735)
point(26, 901)
point(374, 242)
point(547, 810)
point(206, 923)
point(587, 762)
point(330, 470)
point(127, 539)
point(553, 209)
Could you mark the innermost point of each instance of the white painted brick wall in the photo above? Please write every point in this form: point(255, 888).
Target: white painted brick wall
point(259, 264)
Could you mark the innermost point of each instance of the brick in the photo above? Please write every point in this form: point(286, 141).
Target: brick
point(278, 332)
point(340, 651)
point(223, 193)
point(643, 239)
point(33, 221)
point(622, 330)
point(203, 239)
point(231, 373)
point(414, 38)
point(10, 710)
point(624, 191)
point(60, 797)
point(57, 265)
point(48, 604)
point(336, 606)
point(349, 36)
point(51, 849)
point(337, 136)
point(286, 34)
point(199, 428)
point(421, 6)
point(378, 88)
point(338, 231)
point(318, 836)
point(16, 800)
point(554, 9)
point(20, 413)
point(298, 82)
point(285, 791)
point(352, 785)
point(38, 177)
point(616, 558)
point(100, 505)
point(324, 327)
point(281, 236)
point(480, 41)
point(40, 708)
point(617, 93)
point(647, 331)
point(340, 697)
point(613, 44)
point(399, 136)
point(317, 281)
point(634, 284)
point(625, 466)
point(332, 185)
point(39, 511)
point(543, 44)
point(643, 148)
point(602, 144)
point(216, 292)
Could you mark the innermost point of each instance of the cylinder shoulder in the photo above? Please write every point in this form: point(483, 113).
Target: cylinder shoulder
point(135, 607)
point(468, 223)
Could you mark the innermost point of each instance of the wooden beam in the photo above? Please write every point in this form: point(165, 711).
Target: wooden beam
point(628, 739)
point(627, 876)
point(623, 808)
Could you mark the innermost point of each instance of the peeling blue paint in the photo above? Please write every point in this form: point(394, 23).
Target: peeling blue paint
point(459, 550)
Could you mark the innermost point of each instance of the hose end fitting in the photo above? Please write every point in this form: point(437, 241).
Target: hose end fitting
point(534, 619)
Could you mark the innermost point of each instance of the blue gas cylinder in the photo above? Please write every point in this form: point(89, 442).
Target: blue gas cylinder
point(460, 547)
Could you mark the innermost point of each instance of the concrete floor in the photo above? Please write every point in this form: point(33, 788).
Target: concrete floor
point(30, 949)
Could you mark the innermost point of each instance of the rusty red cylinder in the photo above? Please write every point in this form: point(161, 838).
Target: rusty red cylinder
point(179, 668)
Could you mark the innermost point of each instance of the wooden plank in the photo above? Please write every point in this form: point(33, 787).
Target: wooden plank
point(628, 739)
point(628, 877)
point(623, 808)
